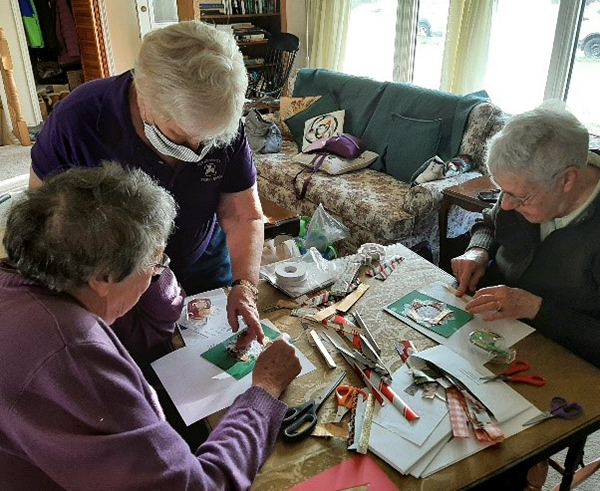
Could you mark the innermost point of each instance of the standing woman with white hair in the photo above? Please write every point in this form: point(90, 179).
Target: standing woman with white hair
point(176, 117)
point(540, 244)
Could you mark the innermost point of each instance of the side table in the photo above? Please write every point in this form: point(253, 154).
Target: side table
point(465, 196)
point(279, 220)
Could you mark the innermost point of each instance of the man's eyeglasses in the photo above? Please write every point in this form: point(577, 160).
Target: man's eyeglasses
point(159, 267)
point(517, 201)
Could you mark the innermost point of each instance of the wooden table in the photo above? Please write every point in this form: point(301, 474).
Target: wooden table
point(465, 196)
point(568, 376)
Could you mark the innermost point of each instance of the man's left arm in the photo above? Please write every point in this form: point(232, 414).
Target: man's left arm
point(240, 216)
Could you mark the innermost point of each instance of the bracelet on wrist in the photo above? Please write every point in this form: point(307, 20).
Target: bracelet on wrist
point(247, 284)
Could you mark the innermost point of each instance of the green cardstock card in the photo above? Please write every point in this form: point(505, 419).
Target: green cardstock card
point(429, 312)
point(219, 356)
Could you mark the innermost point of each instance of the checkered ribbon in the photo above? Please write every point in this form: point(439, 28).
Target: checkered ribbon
point(486, 431)
point(458, 417)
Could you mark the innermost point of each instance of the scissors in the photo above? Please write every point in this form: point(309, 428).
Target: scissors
point(344, 395)
point(559, 408)
point(305, 415)
point(518, 366)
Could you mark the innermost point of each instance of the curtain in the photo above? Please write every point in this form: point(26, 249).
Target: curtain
point(467, 45)
point(407, 16)
point(327, 28)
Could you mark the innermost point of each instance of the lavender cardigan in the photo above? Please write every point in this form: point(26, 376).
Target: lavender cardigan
point(77, 413)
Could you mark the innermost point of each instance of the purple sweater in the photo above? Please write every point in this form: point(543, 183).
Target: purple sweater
point(77, 413)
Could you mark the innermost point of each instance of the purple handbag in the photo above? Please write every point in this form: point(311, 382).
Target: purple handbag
point(343, 145)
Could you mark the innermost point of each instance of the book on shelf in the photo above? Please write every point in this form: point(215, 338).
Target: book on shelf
point(254, 61)
point(238, 7)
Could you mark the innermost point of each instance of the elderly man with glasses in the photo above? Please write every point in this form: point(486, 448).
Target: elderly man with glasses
point(539, 246)
point(75, 409)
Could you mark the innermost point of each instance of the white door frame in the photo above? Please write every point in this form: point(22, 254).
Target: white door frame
point(31, 88)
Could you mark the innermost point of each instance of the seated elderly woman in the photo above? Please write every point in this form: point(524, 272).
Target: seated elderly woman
point(75, 409)
point(539, 245)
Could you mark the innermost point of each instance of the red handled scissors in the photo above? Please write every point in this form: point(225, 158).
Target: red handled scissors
point(559, 408)
point(344, 395)
point(518, 366)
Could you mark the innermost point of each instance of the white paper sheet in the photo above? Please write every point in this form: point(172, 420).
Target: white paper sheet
point(497, 396)
point(401, 453)
point(194, 331)
point(461, 448)
point(430, 411)
point(194, 384)
point(439, 449)
point(512, 330)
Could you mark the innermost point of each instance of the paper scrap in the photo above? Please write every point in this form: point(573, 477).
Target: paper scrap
point(352, 473)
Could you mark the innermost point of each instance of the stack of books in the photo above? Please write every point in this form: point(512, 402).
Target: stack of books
point(253, 61)
point(210, 8)
point(245, 32)
point(237, 7)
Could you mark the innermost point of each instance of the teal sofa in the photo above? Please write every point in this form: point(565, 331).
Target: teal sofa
point(405, 125)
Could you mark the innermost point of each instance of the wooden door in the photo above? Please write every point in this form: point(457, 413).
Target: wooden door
point(91, 38)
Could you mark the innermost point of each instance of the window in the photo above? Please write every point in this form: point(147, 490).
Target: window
point(533, 53)
point(370, 40)
point(520, 50)
point(582, 96)
point(431, 36)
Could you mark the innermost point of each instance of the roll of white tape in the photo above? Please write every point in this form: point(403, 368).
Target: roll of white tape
point(290, 274)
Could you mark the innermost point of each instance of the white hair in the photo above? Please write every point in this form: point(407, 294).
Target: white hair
point(539, 144)
point(193, 74)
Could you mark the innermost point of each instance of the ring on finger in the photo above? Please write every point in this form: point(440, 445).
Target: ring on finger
point(499, 308)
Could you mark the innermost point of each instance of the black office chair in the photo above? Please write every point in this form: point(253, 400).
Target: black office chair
point(279, 59)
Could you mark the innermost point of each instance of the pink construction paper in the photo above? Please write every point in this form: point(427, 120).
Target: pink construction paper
point(357, 471)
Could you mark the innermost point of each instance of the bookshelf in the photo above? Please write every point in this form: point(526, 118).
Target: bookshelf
point(251, 49)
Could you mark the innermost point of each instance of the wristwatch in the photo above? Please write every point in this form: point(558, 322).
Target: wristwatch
point(247, 284)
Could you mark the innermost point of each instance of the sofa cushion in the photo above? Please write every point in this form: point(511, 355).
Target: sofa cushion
point(323, 126)
point(326, 104)
point(359, 96)
point(416, 102)
point(288, 106)
point(367, 199)
point(414, 142)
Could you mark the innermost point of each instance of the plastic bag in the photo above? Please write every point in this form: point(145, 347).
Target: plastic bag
point(263, 136)
point(323, 230)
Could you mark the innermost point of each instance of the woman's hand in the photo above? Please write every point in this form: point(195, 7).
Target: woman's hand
point(276, 367)
point(241, 302)
point(502, 302)
point(469, 268)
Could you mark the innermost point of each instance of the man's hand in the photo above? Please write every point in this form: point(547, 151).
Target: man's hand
point(469, 268)
point(503, 302)
point(241, 302)
point(275, 368)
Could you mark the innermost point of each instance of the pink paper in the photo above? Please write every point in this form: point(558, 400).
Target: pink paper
point(357, 471)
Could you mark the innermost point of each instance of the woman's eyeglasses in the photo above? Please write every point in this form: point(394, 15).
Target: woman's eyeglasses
point(160, 267)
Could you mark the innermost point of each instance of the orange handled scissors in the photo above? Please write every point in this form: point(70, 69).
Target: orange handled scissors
point(518, 366)
point(344, 395)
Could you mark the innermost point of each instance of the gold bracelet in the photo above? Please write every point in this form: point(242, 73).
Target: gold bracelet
point(247, 284)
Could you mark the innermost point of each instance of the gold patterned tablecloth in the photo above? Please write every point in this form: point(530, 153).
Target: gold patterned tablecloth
point(293, 463)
